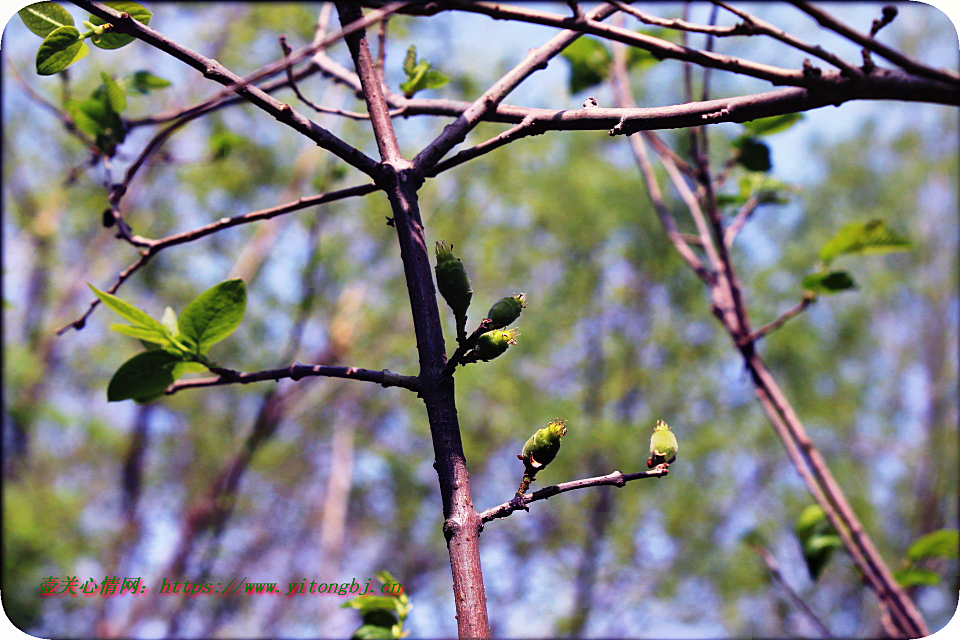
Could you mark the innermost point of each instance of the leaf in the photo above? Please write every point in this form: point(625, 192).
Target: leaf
point(386, 577)
point(772, 125)
point(810, 519)
point(817, 552)
point(589, 63)
point(58, 50)
point(127, 311)
point(111, 40)
point(754, 153)
point(434, 80)
point(939, 544)
point(188, 367)
point(410, 61)
point(114, 93)
point(142, 333)
point(372, 603)
point(829, 283)
point(142, 376)
point(864, 238)
point(914, 577)
point(45, 17)
point(214, 314)
point(373, 632)
point(144, 82)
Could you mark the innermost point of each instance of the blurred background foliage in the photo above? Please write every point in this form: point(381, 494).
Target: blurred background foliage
point(617, 333)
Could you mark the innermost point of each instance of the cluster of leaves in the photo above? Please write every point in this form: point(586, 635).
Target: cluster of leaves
point(100, 115)
point(590, 59)
point(818, 539)
point(174, 346)
point(420, 74)
point(943, 543)
point(63, 44)
point(857, 238)
point(382, 616)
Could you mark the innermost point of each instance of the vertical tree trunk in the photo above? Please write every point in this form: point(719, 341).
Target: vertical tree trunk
point(401, 180)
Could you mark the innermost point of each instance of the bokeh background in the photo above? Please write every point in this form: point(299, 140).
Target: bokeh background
point(617, 334)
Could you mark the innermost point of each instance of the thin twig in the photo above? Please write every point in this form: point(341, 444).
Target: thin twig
point(774, 568)
point(616, 479)
point(902, 60)
point(743, 214)
point(757, 25)
point(535, 60)
point(63, 116)
point(155, 246)
point(213, 70)
point(792, 312)
point(296, 371)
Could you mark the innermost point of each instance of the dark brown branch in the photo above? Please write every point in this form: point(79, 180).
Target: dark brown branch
point(456, 132)
point(297, 371)
point(215, 71)
point(894, 56)
point(615, 479)
point(401, 179)
point(774, 568)
point(759, 26)
point(792, 312)
point(155, 246)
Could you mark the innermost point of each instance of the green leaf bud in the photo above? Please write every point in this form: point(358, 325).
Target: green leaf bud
point(454, 285)
point(506, 310)
point(663, 445)
point(542, 447)
point(493, 343)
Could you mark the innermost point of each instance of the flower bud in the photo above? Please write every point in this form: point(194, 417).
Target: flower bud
point(543, 446)
point(453, 284)
point(506, 310)
point(493, 343)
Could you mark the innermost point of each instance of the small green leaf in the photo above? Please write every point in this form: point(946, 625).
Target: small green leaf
point(811, 518)
point(589, 63)
point(939, 544)
point(410, 61)
point(434, 80)
point(127, 311)
point(864, 238)
point(141, 333)
point(772, 125)
point(44, 17)
point(58, 50)
point(144, 82)
point(372, 603)
point(214, 314)
point(111, 40)
point(386, 577)
point(915, 577)
point(373, 632)
point(188, 367)
point(143, 376)
point(754, 154)
point(828, 283)
point(115, 95)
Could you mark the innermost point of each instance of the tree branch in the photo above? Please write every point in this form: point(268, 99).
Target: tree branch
point(774, 568)
point(796, 310)
point(215, 71)
point(615, 479)
point(297, 371)
point(155, 246)
point(456, 132)
point(740, 219)
point(894, 56)
point(400, 179)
